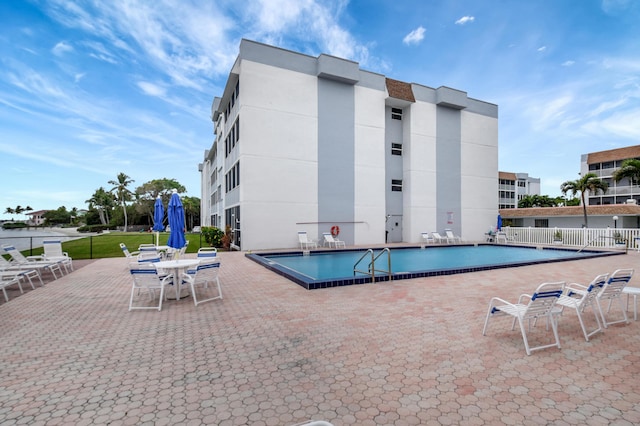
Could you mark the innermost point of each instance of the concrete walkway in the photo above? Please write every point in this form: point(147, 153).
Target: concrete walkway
point(271, 353)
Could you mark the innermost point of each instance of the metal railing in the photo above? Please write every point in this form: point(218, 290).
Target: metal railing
point(371, 267)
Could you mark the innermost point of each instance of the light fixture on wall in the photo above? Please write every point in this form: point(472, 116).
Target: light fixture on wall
point(615, 222)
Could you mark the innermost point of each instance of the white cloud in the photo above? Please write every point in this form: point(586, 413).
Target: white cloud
point(152, 89)
point(415, 36)
point(568, 63)
point(61, 48)
point(465, 20)
point(542, 48)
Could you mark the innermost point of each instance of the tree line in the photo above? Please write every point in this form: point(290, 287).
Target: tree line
point(122, 205)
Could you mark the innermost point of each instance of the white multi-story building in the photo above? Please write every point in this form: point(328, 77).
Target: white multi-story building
point(513, 187)
point(308, 143)
point(603, 164)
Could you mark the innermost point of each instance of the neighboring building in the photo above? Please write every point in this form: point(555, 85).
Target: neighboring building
point(603, 164)
point(36, 218)
point(308, 143)
point(515, 186)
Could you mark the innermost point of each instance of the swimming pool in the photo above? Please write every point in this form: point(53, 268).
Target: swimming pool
point(323, 269)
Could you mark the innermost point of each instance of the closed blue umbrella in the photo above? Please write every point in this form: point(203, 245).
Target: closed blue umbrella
point(499, 222)
point(158, 218)
point(175, 213)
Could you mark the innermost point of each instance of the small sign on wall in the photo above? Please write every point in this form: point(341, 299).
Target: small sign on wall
point(450, 218)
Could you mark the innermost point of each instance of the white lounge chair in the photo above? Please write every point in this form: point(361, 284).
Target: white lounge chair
point(428, 238)
point(451, 237)
point(305, 242)
point(53, 251)
point(328, 239)
point(145, 277)
point(25, 272)
point(439, 238)
point(204, 274)
point(540, 305)
point(8, 281)
point(580, 297)
point(613, 291)
point(19, 259)
point(208, 253)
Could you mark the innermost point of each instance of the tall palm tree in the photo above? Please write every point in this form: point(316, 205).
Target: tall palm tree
point(589, 182)
point(123, 194)
point(630, 168)
point(103, 202)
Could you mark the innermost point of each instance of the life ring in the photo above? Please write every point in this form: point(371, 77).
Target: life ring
point(335, 230)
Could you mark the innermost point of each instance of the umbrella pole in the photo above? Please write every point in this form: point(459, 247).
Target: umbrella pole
point(157, 238)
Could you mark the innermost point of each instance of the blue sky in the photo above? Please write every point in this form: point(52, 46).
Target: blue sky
point(89, 89)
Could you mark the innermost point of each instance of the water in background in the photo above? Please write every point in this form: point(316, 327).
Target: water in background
point(24, 239)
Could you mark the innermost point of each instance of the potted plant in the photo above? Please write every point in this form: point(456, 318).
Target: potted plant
point(557, 237)
point(619, 240)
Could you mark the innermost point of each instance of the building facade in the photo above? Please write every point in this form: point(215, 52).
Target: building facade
point(309, 144)
point(603, 164)
point(513, 187)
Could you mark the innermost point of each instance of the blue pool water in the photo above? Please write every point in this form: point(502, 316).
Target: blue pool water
point(335, 268)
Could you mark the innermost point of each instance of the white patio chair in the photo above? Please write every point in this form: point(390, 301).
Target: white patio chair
point(540, 305)
point(632, 292)
point(428, 238)
point(127, 253)
point(207, 253)
point(18, 259)
point(439, 238)
point(145, 277)
point(305, 242)
point(451, 237)
point(204, 274)
point(580, 297)
point(328, 239)
point(613, 291)
point(53, 251)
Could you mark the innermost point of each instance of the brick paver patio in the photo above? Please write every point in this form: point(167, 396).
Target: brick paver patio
point(271, 353)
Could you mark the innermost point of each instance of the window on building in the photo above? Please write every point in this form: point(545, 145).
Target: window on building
point(396, 113)
point(608, 165)
point(594, 166)
point(396, 185)
point(232, 178)
point(522, 184)
point(396, 149)
point(541, 223)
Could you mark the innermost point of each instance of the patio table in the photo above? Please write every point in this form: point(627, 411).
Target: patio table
point(177, 267)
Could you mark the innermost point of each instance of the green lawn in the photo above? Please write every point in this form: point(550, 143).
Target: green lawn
point(108, 245)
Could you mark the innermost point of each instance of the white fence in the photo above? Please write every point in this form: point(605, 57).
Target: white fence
point(575, 237)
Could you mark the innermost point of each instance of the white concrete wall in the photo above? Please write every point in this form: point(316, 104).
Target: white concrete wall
point(419, 181)
point(369, 166)
point(278, 155)
point(479, 175)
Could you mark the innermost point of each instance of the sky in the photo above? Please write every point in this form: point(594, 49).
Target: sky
point(90, 89)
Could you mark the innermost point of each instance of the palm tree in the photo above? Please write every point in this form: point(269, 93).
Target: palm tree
point(630, 168)
point(122, 192)
point(589, 182)
point(102, 201)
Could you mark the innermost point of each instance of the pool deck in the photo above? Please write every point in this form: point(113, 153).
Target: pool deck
point(408, 352)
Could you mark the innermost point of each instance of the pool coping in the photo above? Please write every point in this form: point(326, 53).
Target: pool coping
point(313, 284)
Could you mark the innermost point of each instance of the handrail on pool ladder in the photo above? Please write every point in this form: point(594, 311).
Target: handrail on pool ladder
point(372, 265)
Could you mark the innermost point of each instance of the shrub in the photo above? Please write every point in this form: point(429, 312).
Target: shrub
point(94, 228)
point(212, 235)
point(14, 225)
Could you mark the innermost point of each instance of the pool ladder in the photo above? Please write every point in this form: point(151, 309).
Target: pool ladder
point(371, 268)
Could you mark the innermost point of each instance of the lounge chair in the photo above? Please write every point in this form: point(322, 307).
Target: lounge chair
point(208, 253)
point(439, 238)
point(6, 282)
point(18, 259)
point(613, 291)
point(632, 292)
point(204, 274)
point(428, 238)
point(305, 242)
point(145, 277)
point(25, 272)
point(328, 239)
point(540, 305)
point(451, 238)
point(53, 251)
point(579, 297)
point(502, 237)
